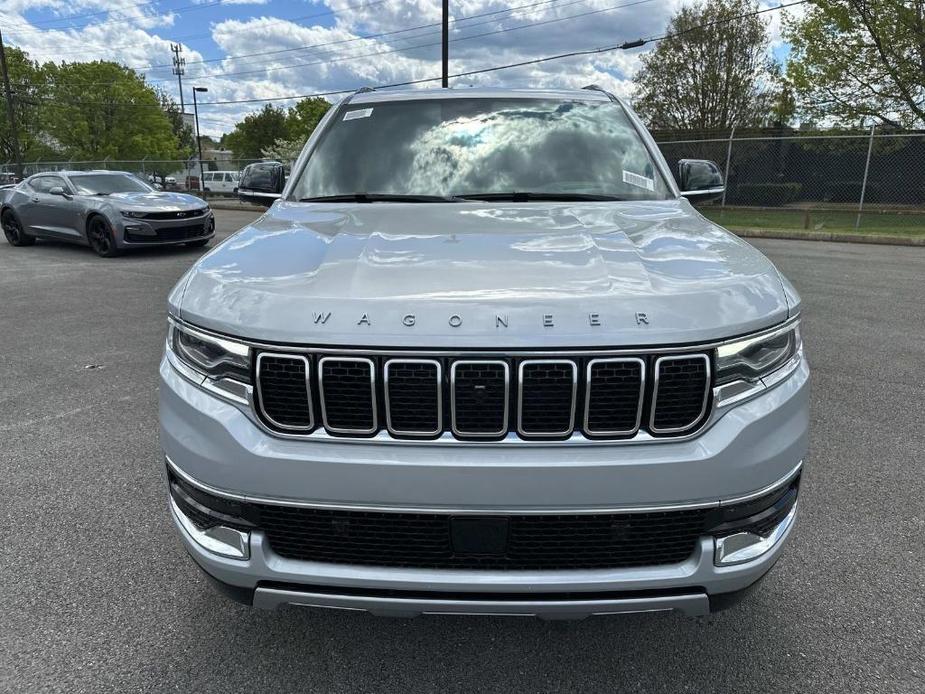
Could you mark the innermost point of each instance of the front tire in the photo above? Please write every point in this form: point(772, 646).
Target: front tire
point(101, 238)
point(12, 229)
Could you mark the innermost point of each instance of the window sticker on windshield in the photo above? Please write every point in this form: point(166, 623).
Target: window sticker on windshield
point(639, 181)
point(359, 113)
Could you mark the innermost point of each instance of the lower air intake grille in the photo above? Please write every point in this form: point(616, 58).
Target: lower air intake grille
point(282, 383)
point(348, 395)
point(680, 396)
point(533, 542)
point(480, 397)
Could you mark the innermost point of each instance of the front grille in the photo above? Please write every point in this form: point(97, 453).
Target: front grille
point(547, 397)
point(414, 397)
point(485, 399)
point(169, 234)
point(283, 390)
point(183, 214)
point(533, 542)
point(348, 395)
point(480, 397)
point(682, 383)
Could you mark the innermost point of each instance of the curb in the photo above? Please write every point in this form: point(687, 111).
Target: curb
point(881, 239)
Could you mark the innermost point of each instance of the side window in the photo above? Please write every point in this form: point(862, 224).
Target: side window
point(226, 177)
point(43, 184)
point(207, 177)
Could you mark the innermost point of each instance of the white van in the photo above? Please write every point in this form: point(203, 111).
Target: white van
point(221, 181)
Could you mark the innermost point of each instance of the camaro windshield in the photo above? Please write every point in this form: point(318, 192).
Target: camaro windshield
point(534, 148)
point(104, 184)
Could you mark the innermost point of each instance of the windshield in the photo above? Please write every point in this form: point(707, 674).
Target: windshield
point(472, 147)
point(104, 184)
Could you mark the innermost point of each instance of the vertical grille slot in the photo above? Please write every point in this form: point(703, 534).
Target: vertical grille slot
point(413, 397)
point(682, 388)
point(546, 398)
point(348, 395)
point(614, 396)
point(284, 391)
point(479, 395)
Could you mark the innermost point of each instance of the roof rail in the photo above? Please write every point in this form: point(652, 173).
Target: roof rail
point(364, 90)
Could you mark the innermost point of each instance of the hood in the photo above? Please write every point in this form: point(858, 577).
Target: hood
point(156, 201)
point(483, 275)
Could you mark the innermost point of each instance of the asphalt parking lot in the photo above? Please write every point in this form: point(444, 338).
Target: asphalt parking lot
point(98, 595)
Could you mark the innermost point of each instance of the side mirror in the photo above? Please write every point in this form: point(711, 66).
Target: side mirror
point(58, 190)
point(262, 184)
point(700, 179)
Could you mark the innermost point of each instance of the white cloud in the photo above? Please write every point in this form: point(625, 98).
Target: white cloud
point(339, 57)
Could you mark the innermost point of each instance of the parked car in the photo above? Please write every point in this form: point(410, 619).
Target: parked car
point(483, 356)
point(108, 210)
point(225, 182)
point(262, 182)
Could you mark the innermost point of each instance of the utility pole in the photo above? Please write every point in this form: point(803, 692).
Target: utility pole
point(14, 134)
point(202, 187)
point(179, 65)
point(446, 44)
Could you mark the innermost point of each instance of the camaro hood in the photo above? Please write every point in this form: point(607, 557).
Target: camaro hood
point(156, 201)
point(482, 275)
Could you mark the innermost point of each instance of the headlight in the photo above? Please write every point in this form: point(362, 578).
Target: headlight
point(753, 358)
point(212, 356)
point(131, 214)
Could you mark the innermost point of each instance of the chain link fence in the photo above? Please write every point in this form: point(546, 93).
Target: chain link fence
point(871, 181)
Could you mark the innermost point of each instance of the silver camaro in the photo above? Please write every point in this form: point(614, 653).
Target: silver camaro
point(108, 210)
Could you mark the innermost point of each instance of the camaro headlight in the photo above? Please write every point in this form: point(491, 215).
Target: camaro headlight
point(132, 214)
point(212, 356)
point(753, 358)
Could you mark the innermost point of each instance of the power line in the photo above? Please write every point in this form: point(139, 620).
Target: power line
point(469, 73)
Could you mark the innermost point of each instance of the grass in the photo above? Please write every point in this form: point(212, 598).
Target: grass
point(905, 223)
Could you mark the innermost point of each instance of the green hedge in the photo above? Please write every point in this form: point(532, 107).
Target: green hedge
point(769, 194)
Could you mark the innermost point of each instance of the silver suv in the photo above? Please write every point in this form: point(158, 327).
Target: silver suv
point(482, 356)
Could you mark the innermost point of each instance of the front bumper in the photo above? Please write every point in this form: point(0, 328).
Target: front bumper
point(159, 232)
point(215, 445)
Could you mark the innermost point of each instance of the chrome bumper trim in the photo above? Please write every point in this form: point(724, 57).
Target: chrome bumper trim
point(490, 511)
point(693, 605)
point(743, 547)
point(220, 540)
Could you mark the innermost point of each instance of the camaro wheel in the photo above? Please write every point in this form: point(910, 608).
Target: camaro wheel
point(13, 230)
point(99, 234)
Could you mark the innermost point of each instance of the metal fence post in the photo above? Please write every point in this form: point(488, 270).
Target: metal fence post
point(870, 147)
point(143, 172)
point(722, 206)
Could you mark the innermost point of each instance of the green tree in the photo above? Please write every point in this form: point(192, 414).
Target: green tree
point(856, 60)
point(28, 83)
point(257, 132)
point(713, 72)
point(101, 109)
point(303, 118)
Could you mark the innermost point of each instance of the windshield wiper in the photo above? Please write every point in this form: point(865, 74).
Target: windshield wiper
point(379, 197)
point(517, 196)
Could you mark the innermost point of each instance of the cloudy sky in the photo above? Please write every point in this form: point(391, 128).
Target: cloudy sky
point(266, 49)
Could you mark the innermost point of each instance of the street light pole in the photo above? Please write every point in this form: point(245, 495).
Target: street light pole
point(202, 187)
point(14, 135)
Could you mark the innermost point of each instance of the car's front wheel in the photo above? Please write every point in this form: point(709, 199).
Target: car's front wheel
point(12, 229)
point(100, 236)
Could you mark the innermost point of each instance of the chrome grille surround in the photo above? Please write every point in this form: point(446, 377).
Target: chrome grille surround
point(462, 433)
point(301, 358)
point(655, 391)
point(388, 399)
point(372, 387)
point(521, 429)
point(640, 399)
